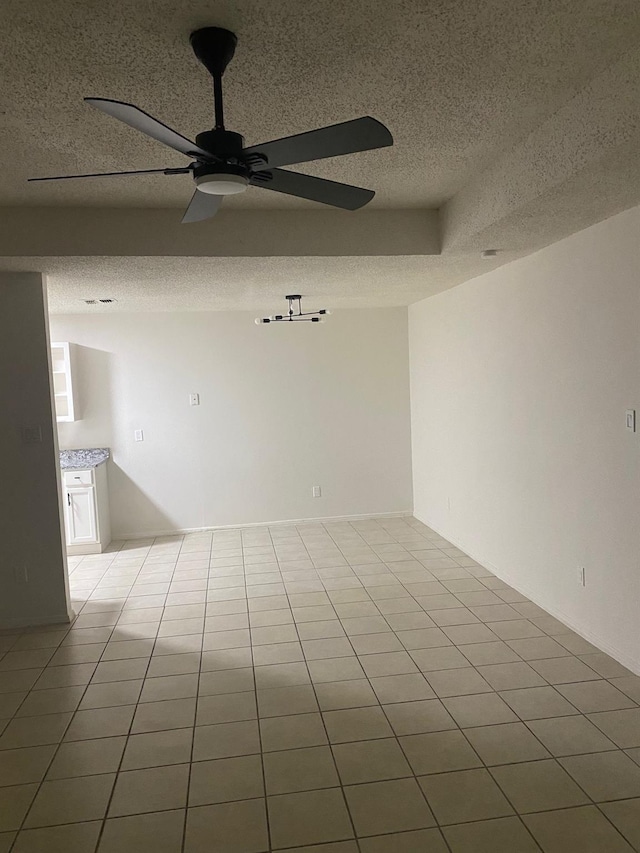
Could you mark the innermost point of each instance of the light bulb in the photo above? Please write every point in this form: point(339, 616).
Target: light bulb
point(324, 311)
point(257, 321)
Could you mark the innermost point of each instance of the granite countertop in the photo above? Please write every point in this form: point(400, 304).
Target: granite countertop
point(77, 460)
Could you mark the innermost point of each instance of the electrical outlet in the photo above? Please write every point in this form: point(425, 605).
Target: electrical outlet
point(582, 579)
point(194, 399)
point(317, 492)
point(138, 435)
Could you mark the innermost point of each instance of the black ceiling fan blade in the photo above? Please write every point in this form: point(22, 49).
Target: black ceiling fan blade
point(202, 206)
point(147, 124)
point(360, 134)
point(315, 189)
point(184, 171)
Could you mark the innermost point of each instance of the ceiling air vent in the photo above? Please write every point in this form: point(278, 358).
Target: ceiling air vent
point(106, 300)
point(90, 301)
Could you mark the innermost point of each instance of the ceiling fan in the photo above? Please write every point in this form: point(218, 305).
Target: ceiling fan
point(221, 165)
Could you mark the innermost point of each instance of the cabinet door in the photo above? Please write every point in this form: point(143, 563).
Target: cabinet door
point(81, 516)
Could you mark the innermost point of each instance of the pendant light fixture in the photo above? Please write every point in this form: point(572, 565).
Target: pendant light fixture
point(295, 313)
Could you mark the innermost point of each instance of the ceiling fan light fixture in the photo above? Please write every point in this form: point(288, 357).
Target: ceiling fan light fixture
point(220, 183)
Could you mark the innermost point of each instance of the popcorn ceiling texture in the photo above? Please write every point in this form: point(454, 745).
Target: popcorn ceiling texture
point(516, 119)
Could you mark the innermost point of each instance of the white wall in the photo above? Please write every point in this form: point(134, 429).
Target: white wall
point(33, 576)
point(519, 384)
point(282, 409)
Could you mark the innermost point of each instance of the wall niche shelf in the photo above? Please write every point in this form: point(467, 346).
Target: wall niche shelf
point(61, 366)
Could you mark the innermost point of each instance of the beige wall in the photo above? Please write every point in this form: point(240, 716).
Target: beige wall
point(519, 384)
point(282, 409)
point(33, 576)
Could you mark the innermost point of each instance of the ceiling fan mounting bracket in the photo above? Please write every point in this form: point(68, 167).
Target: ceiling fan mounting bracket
point(214, 47)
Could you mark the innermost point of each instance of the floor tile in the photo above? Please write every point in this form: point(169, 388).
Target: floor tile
point(505, 744)
point(392, 806)
point(291, 732)
point(111, 694)
point(409, 718)
point(71, 800)
point(154, 749)
point(370, 761)
point(294, 770)
point(629, 685)
point(439, 752)
point(464, 796)
point(402, 688)
point(239, 827)
point(577, 830)
point(308, 818)
point(593, 696)
point(538, 648)
point(154, 789)
point(14, 804)
point(446, 657)
point(87, 758)
point(605, 665)
point(511, 676)
point(226, 681)
point(416, 841)
point(623, 727)
point(226, 708)
point(336, 695)
point(171, 714)
point(34, 731)
point(225, 780)
point(100, 722)
point(536, 703)
point(120, 670)
point(458, 682)
point(335, 669)
point(72, 838)
point(356, 724)
point(226, 740)
point(506, 834)
point(483, 709)
point(158, 832)
point(625, 815)
point(570, 735)
point(538, 786)
point(564, 670)
point(21, 766)
point(169, 687)
point(605, 775)
point(53, 701)
point(281, 701)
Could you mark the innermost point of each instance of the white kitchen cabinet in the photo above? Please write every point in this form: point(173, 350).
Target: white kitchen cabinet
point(61, 366)
point(86, 510)
point(81, 516)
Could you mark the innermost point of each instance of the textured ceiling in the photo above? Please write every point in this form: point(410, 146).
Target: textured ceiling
point(456, 82)
point(517, 119)
point(256, 284)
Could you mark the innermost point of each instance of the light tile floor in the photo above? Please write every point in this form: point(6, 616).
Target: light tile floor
point(330, 688)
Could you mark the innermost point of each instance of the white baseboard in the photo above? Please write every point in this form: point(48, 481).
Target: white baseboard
point(595, 639)
point(147, 534)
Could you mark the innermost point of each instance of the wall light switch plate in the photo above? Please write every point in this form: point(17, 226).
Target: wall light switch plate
point(194, 399)
point(317, 492)
point(138, 435)
point(630, 420)
point(582, 578)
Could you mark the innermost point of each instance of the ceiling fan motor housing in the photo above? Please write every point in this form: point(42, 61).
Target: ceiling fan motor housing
point(229, 174)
